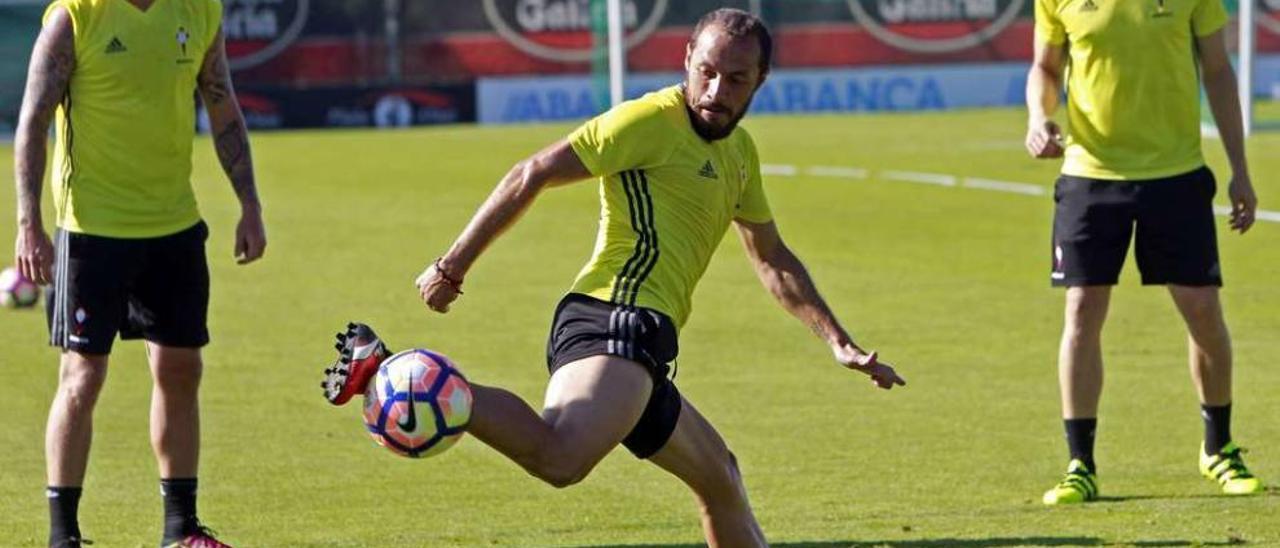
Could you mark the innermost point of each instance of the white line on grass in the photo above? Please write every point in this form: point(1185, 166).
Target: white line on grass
point(784, 170)
point(1004, 186)
point(1261, 214)
point(837, 171)
point(940, 179)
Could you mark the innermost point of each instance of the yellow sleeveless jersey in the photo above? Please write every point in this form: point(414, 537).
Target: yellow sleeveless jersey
point(122, 164)
point(1133, 86)
point(667, 198)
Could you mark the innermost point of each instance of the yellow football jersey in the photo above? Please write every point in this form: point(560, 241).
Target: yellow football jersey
point(122, 164)
point(667, 198)
point(1133, 87)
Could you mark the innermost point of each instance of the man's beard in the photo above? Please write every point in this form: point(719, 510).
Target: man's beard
point(706, 130)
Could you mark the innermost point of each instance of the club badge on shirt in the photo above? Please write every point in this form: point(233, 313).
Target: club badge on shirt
point(183, 37)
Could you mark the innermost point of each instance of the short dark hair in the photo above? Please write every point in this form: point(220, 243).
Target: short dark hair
point(738, 23)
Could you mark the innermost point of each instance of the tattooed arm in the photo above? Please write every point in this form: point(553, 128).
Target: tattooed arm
point(52, 61)
point(231, 140)
point(786, 278)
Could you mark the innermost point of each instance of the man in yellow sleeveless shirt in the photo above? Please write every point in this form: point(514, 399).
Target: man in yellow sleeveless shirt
point(129, 255)
point(674, 172)
point(1133, 160)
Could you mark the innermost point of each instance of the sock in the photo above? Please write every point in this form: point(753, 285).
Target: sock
point(1080, 434)
point(64, 502)
point(179, 508)
point(1217, 427)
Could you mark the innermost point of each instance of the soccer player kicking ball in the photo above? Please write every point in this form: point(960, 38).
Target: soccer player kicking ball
point(1133, 158)
point(674, 171)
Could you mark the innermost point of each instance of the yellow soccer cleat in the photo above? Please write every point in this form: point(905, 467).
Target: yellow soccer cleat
point(1228, 469)
point(1079, 485)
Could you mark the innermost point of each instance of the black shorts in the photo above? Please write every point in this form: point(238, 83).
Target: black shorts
point(584, 326)
point(1176, 241)
point(151, 288)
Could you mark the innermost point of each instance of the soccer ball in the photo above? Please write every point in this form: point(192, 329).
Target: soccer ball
point(418, 404)
point(16, 291)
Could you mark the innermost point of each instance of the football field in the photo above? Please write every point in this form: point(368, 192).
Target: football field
point(928, 234)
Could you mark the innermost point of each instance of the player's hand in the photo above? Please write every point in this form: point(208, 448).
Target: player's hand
point(1244, 203)
point(882, 374)
point(251, 236)
point(437, 290)
point(33, 254)
point(1044, 139)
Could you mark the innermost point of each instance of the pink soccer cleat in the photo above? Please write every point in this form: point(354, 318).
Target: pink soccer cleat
point(201, 538)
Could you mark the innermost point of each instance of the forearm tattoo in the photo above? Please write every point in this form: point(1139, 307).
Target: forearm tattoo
point(232, 143)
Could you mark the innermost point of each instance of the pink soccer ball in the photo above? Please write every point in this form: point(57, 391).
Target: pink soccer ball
point(418, 404)
point(16, 291)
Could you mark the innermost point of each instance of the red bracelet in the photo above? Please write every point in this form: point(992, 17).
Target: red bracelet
point(454, 283)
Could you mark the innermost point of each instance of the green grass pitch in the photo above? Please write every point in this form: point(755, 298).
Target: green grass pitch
point(949, 283)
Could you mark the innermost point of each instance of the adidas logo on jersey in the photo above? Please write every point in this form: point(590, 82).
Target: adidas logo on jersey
point(1089, 6)
point(116, 46)
point(708, 171)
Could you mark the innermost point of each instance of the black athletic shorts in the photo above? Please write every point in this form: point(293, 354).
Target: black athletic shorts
point(151, 288)
point(1175, 243)
point(584, 326)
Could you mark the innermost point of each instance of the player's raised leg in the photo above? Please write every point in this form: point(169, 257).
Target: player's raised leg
point(68, 435)
point(697, 455)
point(591, 405)
point(1209, 349)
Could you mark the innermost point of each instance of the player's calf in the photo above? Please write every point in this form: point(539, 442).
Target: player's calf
point(360, 352)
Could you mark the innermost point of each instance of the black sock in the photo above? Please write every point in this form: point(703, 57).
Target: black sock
point(179, 508)
point(1080, 434)
point(1217, 427)
point(64, 503)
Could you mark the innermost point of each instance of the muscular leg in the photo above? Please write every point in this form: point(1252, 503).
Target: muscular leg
point(175, 409)
point(591, 404)
point(1208, 343)
point(699, 457)
point(69, 432)
point(1080, 354)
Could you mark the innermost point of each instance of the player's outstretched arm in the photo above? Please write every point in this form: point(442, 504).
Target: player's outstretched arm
point(231, 139)
point(1221, 88)
point(52, 61)
point(786, 278)
point(1044, 83)
point(555, 165)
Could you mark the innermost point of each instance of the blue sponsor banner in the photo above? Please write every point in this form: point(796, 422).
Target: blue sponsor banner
point(540, 99)
point(509, 100)
point(892, 89)
point(1266, 77)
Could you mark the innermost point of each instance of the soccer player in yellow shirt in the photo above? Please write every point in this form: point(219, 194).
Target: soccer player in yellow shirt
point(1132, 71)
point(675, 171)
point(129, 257)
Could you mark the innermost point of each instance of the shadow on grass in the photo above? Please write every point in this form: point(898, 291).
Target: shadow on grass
point(997, 542)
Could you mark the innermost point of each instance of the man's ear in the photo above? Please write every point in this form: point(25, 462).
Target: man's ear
point(688, 56)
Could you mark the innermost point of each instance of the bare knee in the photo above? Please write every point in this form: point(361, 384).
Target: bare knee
point(177, 373)
point(558, 466)
point(1201, 309)
point(1085, 312)
point(80, 381)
